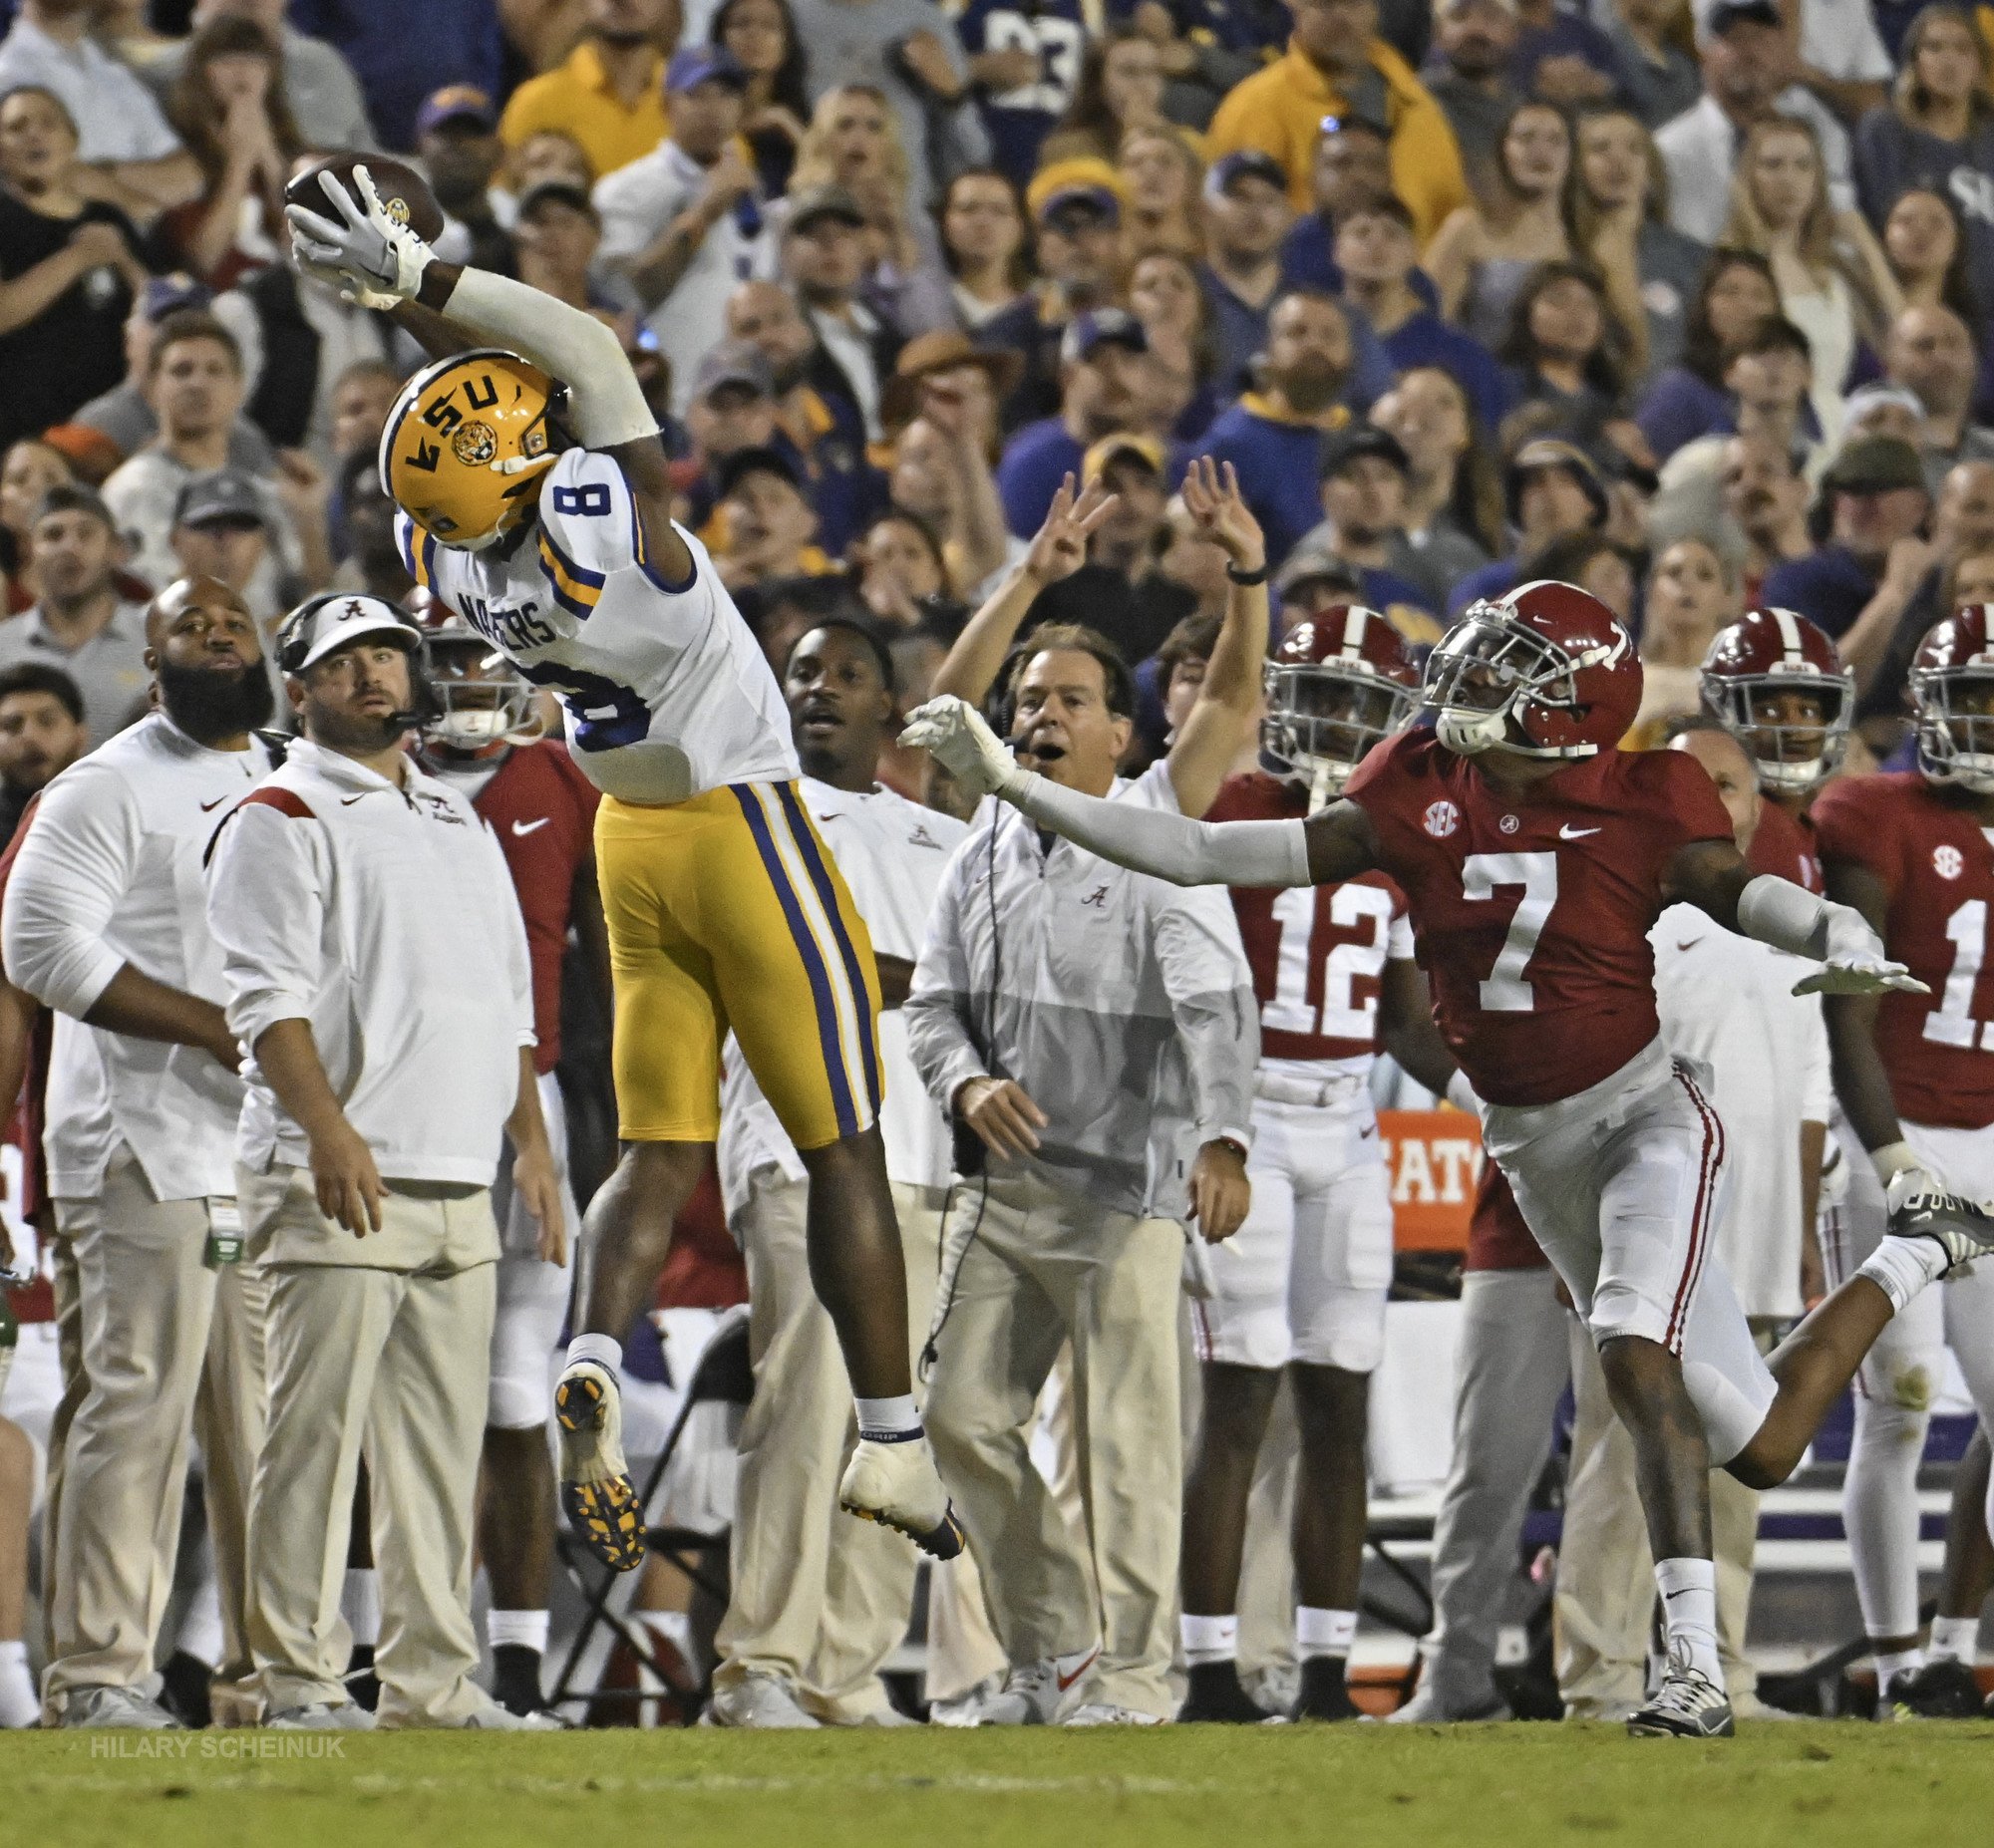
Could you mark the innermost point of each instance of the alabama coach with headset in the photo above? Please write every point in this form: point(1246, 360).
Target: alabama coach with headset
point(378, 984)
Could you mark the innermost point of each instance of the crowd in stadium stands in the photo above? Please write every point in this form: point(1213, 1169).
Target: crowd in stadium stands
point(1688, 302)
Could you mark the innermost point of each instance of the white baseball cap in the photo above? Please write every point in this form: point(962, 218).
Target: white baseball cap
point(336, 620)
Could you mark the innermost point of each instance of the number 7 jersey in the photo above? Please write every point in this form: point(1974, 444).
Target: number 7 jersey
point(666, 690)
point(1530, 916)
point(1938, 863)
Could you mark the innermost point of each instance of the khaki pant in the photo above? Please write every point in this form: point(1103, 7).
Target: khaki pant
point(378, 1347)
point(818, 1597)
point(1045, 1266)
point(1606, 1596)
point(157, 1344)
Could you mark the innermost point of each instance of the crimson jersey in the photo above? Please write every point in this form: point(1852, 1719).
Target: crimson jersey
point(1938, 862)
point(1498, 1238)
point(1785, 845)
point(544, 812)
point(1316, 953)
point(1531, 914)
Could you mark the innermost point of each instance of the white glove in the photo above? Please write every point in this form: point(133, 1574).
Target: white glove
point(954, 734)
point(1854, 963)
point(1898, 1163)
point(370, 251)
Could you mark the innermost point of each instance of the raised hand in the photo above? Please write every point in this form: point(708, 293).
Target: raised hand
point(1212, 497)
point(360, 241)
point(1059, 548)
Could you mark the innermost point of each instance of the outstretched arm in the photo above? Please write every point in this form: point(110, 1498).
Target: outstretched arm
point(1222, 720)
point(1334, 843)
point(358, 244)
point(1713, 876)
point(1855, 971)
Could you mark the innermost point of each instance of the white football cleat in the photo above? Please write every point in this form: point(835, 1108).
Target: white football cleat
point(1108, 1714)
point(1687, 1706)
point(597, 1493)
point(894, 1482)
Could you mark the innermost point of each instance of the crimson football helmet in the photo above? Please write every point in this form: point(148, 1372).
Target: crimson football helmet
point(1952, 694)
point(1761, 672)
point(1545, 672)
point(1341, 681)
point(480, 697)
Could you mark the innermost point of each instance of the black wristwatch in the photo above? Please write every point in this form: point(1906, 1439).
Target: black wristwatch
point(1247, 577)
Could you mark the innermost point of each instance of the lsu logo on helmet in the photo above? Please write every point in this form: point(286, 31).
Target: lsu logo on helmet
point(466, 445)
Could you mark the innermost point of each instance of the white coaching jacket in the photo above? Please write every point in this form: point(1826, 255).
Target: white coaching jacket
point(1123, 1004)
point(385, 917)
point(111, 873)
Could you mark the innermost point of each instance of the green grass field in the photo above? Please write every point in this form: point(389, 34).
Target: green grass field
point(1816, 1784)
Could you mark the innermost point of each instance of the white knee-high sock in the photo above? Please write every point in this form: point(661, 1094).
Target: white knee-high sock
point(1879, 1513)
point(1689, 1612)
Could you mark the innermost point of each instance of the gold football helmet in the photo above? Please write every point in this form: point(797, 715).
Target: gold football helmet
point(466, 445)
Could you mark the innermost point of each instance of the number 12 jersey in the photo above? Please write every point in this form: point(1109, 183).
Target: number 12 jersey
point(666, 690)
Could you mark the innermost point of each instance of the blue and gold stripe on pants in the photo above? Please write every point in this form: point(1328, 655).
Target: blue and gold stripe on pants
point(727, 912)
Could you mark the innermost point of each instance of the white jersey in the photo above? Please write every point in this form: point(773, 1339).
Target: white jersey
point(666, 690)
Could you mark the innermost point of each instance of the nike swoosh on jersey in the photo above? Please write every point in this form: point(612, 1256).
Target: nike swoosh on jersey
point(1568, 832)
point(347, 801)
point(208, 807)
point(522, 828)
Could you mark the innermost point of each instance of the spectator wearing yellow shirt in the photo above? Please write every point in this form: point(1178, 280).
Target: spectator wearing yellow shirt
point(609, 93)
point(1336, 65)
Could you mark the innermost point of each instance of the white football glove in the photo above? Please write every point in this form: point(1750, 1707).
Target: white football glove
point(1854, 963)
point(1902, 1172)
point(954, 734)
point(368, 249)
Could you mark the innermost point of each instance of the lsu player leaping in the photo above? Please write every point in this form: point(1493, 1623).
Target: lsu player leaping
point(535, 501)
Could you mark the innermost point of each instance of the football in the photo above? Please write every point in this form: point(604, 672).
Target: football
point(404, 191)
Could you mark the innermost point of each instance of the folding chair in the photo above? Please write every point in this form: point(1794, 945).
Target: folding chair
point(722, 1374)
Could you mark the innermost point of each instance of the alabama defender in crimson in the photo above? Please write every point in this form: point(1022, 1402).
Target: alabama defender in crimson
point(1774, 682)
point(486, 739)
point(1534, 856)
point(1300, 1287)
point(1913, 851)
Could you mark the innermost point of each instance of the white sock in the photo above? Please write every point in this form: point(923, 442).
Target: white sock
point(200, 1629)
point(1896, 1662)
point(1879, 1505)
point(19, 1705)
point(527, 1629)
point(1953, 1638)
point(884, 1420)
point(1900, 1267)
point(360, 1605)
point(1688, 1609)
point(1210, 1638)
point(1323, 1633)
point(604, 1350)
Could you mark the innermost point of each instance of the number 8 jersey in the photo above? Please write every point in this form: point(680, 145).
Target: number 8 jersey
point(1938, 863)
point(1530, 915)
point(666, 691)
